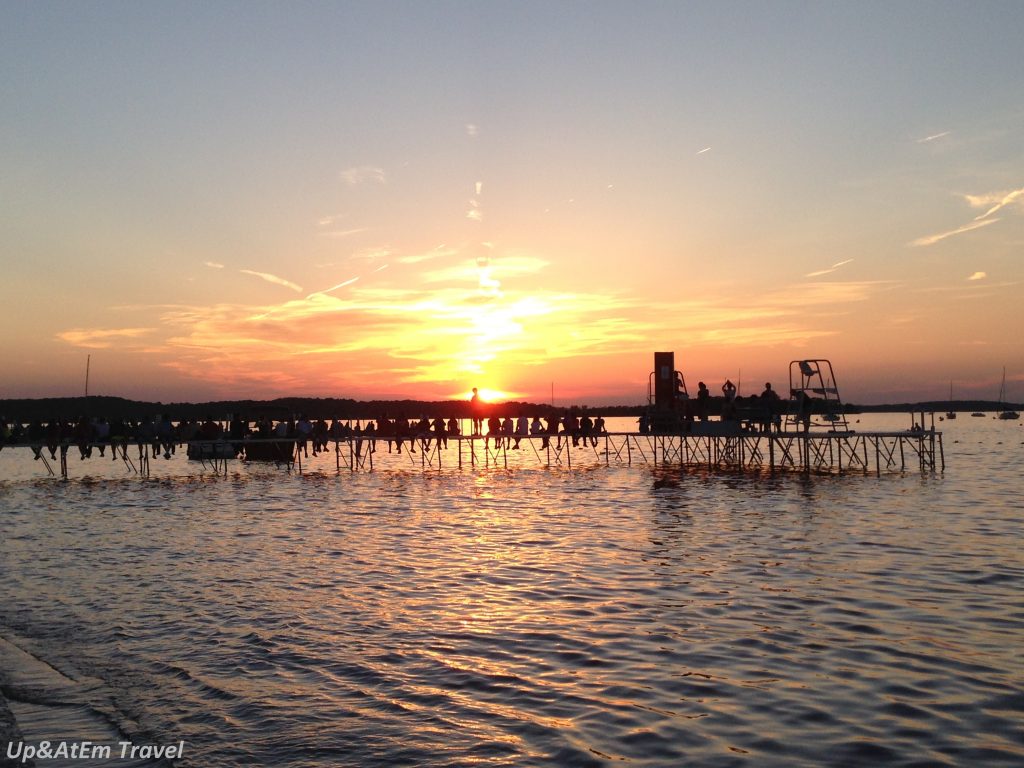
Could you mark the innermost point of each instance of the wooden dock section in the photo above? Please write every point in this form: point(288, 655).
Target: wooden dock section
point(819, 453)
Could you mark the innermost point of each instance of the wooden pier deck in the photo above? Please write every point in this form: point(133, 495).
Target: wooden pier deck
point(788, 451)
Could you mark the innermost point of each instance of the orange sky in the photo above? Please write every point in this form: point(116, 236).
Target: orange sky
point(300, 204)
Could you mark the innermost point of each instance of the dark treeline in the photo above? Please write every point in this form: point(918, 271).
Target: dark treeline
point(46, 409)
point(939, 406)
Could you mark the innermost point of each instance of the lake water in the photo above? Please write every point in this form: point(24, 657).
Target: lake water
point(596, 616)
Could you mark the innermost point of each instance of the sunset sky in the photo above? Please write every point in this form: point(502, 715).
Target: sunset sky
point(213, 200)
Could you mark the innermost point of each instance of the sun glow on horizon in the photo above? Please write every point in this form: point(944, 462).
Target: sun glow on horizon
point(487, 395)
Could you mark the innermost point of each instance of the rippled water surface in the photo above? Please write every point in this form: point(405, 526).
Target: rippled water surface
point(593, 616)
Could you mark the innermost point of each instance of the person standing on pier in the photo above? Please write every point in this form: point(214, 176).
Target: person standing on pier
point(729, 391)
point(703, 401)
point(770, 409)
point(476, 413)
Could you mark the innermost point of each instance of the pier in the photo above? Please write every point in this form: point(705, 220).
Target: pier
point(809, 432)
point(786, 451)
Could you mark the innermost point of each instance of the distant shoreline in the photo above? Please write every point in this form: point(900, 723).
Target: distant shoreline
point(28, 409)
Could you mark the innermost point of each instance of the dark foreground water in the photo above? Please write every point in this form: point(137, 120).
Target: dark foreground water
point(530, 617)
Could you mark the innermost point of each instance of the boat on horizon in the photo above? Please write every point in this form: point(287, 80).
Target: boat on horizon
point(1005, 415)
point(951, 414)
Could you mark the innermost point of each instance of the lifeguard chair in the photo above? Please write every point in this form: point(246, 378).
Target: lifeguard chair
point(814, 396)
point(666, 395)
point(665, 385)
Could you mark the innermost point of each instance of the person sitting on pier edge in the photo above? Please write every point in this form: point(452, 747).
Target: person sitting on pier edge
point(101, 434)
point(586, 428)
point(165, 434)
point(36, 435)
point(370, 432)
point(83, 436)
point(320, 436)
point(522, 429)
point(145, 435)
point(303, 432)
point(507, 429)
point(440, 428)
point(337, 430)
point(118, 439)
point(493, 432)
point(210, 429)
point(453, 427)
point(422, 430)
point(571, 427)
point(552, 429)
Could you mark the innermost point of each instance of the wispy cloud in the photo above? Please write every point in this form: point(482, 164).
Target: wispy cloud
point(993, 202)
point(441, 329)
point(100, 338)
point(996, 203)
point(932, 239)
point(371, 255)
point(933, 137)
point(505, 268)
point(213, 264)
point(362, 174)
point(273, 279)
point(342, 233)
point(438, 252)
point(706, 149)
point(831, 269)
point(978, 276)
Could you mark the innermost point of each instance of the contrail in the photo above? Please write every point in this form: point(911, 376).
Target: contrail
point(333, 288)
point(273, 279)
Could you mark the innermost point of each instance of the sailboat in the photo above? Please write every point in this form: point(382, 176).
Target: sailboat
point(951, 414)
point(1005, 415)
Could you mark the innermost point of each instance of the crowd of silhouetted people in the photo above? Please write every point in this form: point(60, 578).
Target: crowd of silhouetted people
point(757, 413)
point(244, 437)
point(89, 436)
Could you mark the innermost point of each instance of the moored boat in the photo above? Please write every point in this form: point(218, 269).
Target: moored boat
point(211, 450)
point(1005, 414)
